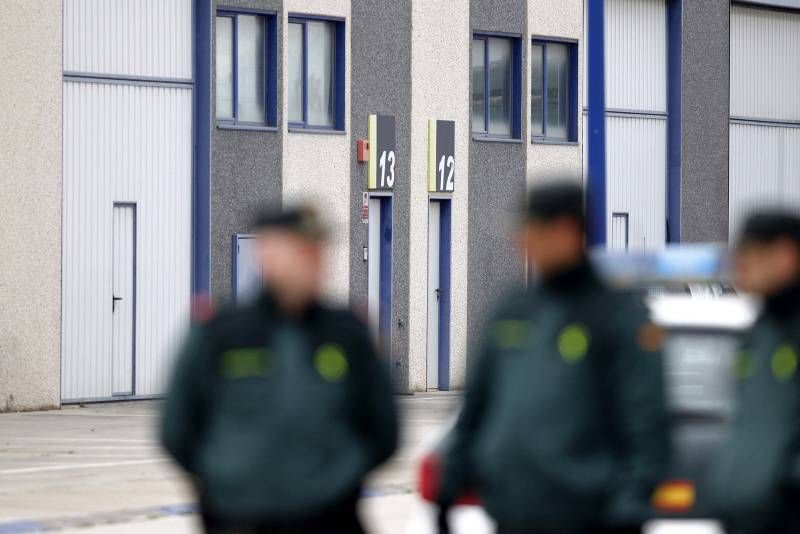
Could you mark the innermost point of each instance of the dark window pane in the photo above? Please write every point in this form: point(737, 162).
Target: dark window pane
point(478, 85)
point(500, 84)
point(537, 90)
point(557, 90)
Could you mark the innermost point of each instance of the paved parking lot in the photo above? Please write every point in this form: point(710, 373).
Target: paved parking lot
point(98, 468)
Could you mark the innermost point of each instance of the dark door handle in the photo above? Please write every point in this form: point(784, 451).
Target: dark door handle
point(114, 300)
point(438, 294)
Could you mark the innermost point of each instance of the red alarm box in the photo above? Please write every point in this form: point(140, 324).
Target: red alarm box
point(362, 150)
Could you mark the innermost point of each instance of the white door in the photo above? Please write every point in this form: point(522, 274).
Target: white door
point(619, 231)
point(434, 236)
point(123, 249)
point(247, 286)
point(374, 264)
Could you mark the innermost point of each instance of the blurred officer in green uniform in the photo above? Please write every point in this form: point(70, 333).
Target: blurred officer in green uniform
point(563, 427)
point(755, 482)
point(279, 408)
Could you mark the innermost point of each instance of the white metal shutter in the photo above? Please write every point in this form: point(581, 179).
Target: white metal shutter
point(150, 38)
point(765, 111)
point(636, 125)
point(130, 142)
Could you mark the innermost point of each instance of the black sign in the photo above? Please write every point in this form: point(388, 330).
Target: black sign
point(382, 155)
point(441, 156)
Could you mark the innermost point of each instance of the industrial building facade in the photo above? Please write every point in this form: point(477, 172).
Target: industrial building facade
point(145, 133)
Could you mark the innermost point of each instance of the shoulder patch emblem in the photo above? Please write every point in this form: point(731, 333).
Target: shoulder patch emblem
point(331, 363)
point(573, 343)
point(510, 333)
point(784, 362)
point(746, 365)
point(245, 363)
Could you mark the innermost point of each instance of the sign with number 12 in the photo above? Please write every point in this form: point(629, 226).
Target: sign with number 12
point(441, 156)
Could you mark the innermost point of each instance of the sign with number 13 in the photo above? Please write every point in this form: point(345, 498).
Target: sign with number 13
point(382, 158)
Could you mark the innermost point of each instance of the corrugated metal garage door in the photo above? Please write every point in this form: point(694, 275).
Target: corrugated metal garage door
point(636, 122)
point(765, 111)
point(127, 142)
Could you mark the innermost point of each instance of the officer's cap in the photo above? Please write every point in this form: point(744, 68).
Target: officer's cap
point(554, 199)
point(768, 226)
point(301, 220)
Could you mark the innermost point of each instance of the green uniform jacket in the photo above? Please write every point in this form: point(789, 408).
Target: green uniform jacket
point(564, 420)
point(760, 461)
point(278, 418)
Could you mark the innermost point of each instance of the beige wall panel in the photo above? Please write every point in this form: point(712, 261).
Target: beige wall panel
point(440, 90)
point(30, 205)
point(316, 167)
point(555, 18)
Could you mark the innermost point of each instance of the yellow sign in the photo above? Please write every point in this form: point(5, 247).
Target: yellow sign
point(372, 135)
point(431, 155)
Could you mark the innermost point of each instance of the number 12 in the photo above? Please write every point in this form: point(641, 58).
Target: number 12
point(451, 163)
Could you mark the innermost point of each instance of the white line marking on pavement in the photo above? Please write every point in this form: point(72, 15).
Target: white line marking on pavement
point(102, 440)
point(91, 414)
point(65, 467)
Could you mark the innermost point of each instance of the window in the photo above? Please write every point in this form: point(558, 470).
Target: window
point(495, 86)
point(554, 95)
point(245, 69)
point(316, 74)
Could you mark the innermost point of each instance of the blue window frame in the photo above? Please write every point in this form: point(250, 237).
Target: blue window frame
point(554, 90)
point(496, 86)
point(316, 73)
point(246, 68)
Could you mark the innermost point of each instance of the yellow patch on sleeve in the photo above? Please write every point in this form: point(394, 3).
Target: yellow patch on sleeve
point(245, 363)
point(784, 362)
point(510, 333)
point(331, 363)
point(573, 343)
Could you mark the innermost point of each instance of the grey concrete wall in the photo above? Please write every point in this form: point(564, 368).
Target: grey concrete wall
point(497, 183)
point(245, 170)
point(706, 103)
point(381, 68)
point(440, 90)
point(30, 205)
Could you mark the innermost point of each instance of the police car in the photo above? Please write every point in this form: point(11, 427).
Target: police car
point(689, 295)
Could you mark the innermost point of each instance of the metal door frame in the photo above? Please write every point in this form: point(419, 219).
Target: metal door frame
point(135, 242)
point(434, 246)
point(445, 273)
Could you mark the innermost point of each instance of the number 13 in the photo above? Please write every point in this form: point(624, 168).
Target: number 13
point(387, 181)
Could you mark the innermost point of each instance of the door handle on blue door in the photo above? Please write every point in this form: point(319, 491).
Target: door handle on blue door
point(438, 294)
